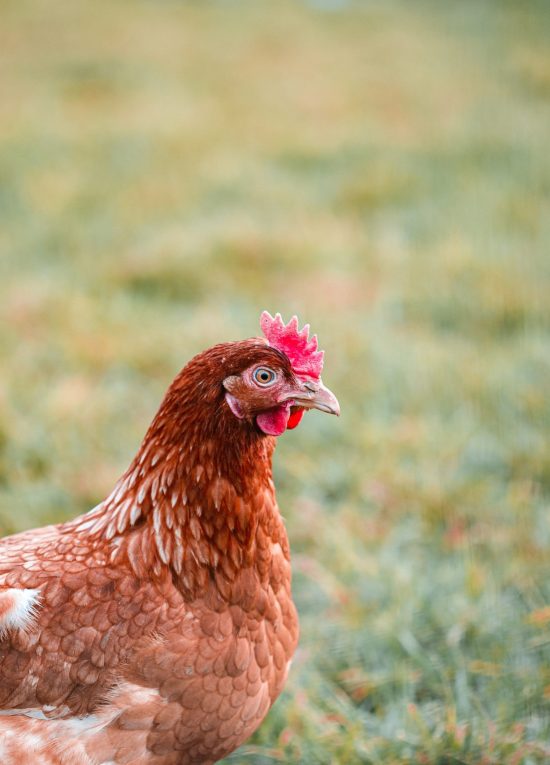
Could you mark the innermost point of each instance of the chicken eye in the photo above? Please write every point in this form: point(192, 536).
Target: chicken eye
point(264, 376)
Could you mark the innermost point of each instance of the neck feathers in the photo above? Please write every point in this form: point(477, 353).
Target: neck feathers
point(198, 497)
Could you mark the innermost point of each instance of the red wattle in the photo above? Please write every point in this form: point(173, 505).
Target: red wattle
point(273, 422)
point(294, 418)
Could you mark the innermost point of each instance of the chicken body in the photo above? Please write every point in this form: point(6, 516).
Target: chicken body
point(123, 669)
point(158, 628)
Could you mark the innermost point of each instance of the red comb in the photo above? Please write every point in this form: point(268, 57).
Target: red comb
point(295, 343)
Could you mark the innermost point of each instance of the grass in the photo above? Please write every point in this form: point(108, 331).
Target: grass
point(167, 170)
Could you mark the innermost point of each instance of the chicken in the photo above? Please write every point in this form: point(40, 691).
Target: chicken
point(158, 628)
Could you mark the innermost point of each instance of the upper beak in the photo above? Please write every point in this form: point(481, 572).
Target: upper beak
point(314, 395)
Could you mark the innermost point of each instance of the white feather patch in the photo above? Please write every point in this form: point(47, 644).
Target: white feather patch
point(18, 608)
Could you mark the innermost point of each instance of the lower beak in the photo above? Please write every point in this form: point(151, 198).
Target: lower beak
point(314, 395)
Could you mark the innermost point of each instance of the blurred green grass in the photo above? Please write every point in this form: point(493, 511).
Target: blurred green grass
point(167, 170)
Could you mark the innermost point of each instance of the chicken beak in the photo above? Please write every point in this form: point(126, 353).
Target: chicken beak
point(314, 395)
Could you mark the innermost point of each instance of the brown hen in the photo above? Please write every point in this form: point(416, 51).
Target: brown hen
point(158, 628)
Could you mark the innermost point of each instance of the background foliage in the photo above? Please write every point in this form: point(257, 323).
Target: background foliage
point(167, 170)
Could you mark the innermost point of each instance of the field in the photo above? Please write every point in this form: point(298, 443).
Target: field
point(169, 169)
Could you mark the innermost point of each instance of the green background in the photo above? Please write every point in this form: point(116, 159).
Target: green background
point(168, 170)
